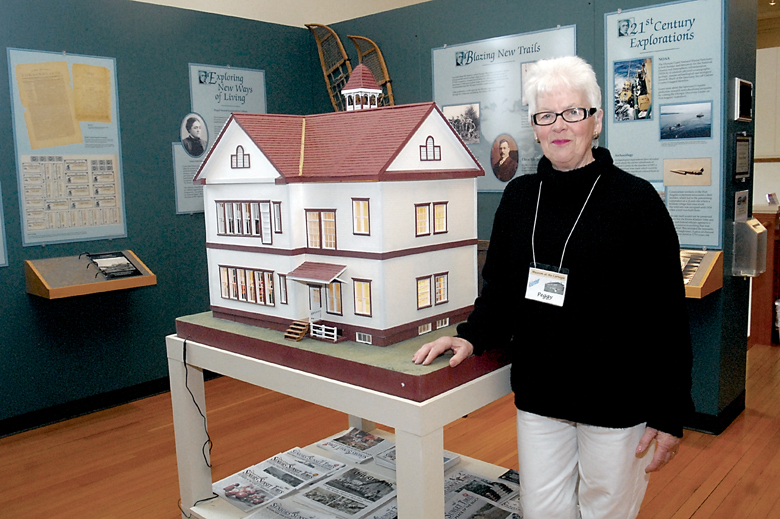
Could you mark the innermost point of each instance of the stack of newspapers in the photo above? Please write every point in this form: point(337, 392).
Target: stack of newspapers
point(468, 495)
point(299, 484)
point(275, 477)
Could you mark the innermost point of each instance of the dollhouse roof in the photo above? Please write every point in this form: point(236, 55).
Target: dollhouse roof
point(361, 79)
point(341, 146)
point(314, 272)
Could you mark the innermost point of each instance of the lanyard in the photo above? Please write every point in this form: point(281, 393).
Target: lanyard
point(536, 215)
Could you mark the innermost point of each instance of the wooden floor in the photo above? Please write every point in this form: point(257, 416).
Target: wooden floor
point(120, 463)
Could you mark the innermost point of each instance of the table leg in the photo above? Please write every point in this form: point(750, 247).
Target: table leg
point(420, 474)
point(190, 433)
point(360, 423)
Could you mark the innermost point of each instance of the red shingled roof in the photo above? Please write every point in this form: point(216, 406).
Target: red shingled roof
point(356, 146)
point(317, 272)
point(361, 78)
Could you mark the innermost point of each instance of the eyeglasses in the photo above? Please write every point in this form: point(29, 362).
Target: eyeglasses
point(570, 115)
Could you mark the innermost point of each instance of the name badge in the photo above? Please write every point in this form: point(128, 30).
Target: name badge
point(546, 286)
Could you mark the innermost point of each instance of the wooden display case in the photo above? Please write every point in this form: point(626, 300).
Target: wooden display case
point(766, 287)
point(55, 278)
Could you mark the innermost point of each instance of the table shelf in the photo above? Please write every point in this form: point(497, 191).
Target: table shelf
point(219, 508)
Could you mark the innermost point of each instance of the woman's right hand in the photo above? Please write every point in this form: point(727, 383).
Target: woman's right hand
point(461, 348)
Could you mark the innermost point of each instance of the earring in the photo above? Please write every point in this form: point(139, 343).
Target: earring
point(596, 136)
point(537, 139)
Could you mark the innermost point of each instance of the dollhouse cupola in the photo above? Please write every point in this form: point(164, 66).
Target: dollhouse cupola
point(361, 91)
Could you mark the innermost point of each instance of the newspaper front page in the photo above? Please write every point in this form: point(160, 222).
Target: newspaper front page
point(349, 493)
point(356, 445)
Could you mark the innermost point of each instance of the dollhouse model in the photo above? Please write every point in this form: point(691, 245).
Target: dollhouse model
point(357, 225)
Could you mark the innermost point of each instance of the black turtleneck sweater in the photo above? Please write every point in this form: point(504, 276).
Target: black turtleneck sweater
point(618, 352)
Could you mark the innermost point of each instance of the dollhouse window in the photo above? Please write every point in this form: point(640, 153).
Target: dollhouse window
point(252, 286)
point(265, 218)
point(221, 225)
point(422, 219)
point(277, 217)
point(362, 297)
point(334, 298)
point(246, 212)
point(231, 224)
point(321, 229)
point(241, 284)
point(224, 282)
point(442, 292)
point(236, 218)
point(360, 216)
point(240, 160)
point(423, 292)
point(429, 150)
point(282, 289)
point(233, 284)
point(251, 290)
point(256, 219)
point(439, 217)
point(268, 277)
point(264, 287)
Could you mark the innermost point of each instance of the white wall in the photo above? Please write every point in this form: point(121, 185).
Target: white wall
point(296, 13)
point(766, 177)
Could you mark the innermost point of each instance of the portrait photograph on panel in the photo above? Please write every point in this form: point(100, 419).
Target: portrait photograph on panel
point(503, 157)
point(624, 27)
point(194, 135)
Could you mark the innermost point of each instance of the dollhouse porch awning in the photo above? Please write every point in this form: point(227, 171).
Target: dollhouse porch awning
point(316, 273)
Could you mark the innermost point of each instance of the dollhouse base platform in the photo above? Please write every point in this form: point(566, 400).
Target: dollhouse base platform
point(386, 369)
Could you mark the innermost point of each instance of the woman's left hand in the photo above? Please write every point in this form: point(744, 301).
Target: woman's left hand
point(666, 447)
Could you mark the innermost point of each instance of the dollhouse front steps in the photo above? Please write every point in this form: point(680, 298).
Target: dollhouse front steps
point(297, 331)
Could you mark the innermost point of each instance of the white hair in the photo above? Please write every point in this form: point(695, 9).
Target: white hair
point(549, 76)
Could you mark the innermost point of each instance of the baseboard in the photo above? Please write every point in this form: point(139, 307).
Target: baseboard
point(66, 411)
point(716, 424)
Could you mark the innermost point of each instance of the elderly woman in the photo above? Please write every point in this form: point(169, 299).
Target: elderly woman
point(583, 286)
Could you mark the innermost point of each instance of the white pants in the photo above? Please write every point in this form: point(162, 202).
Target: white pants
point(565, 464)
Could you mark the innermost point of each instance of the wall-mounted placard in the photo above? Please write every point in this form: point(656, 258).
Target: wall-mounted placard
point(68, 150)
point(478, 86)
point(743, 157)
point(665, 108)
point(215, 93)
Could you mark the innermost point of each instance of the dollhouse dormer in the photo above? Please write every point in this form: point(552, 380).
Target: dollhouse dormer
point(361, 91)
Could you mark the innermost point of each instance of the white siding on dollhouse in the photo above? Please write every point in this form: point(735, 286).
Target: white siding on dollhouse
point(399, 281)
point(453, 154)
point(398, 216)
point(217, 169)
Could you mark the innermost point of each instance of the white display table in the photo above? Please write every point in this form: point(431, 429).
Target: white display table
point(418, 425)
